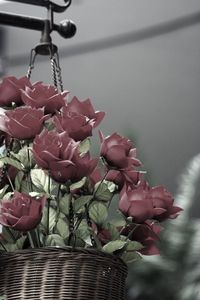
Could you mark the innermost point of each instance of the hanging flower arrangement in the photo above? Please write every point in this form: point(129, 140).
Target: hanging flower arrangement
point(54, 193)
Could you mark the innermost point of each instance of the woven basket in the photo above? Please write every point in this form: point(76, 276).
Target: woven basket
point(62, 273)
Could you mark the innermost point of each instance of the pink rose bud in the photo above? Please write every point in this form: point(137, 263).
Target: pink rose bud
point(23, 123)
point(118, 151)
point(86, 109)
point(10, 90)
point(143, 203)
point(77, 126)
point(22, 212)
point(59, 154)
point(47, 96)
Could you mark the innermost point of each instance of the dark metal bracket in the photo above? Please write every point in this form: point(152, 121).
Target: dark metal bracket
point(65, 28)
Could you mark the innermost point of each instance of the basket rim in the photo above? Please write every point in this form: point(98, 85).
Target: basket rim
point(67, 249)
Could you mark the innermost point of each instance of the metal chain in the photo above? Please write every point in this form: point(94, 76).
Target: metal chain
point(31, 63)
point(53, 70)
point(58, 70)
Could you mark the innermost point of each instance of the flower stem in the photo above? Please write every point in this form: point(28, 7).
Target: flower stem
point(131, 232)
point(29, 162)
point(102, 180)
point(10, 182)
point(48, 210)
point(37, 237)
point(30, 240)
point(2, 245)
point(58, 207)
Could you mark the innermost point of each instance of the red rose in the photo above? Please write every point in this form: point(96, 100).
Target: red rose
point(77, 126)
point(10, 90)
point(143, 203)
point(84, 165)
point(22, 213)
point(118, 151)
point(23, 122)
point(59, 154)
point(47, 96)
point(85, 108)
point(162, 199)
point(124, 176)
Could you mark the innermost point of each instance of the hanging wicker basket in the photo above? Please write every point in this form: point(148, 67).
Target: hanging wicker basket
point(62, 273)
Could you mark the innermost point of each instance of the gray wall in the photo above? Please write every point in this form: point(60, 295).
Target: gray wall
point(149, 89)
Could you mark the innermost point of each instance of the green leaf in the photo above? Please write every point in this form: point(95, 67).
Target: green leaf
point(3, 190)
point(64, 204)
point(12, 162)
point(18, 245)
point(25, 157)
point(84, 146)
point(130, 254)
point(78, 185)
point(25, 187)
point(2, 297)
point(133, 246)
point(104, 191)
point(52, 218)
point(18, 180)
point(98, 212)
point(42, 180)
point(81, 201)
point(113, 246)
point(7, 196)
point(83, 231)
point(62, 228)
point(54, 240)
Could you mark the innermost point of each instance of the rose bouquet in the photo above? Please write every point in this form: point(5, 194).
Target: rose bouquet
point(53, 193)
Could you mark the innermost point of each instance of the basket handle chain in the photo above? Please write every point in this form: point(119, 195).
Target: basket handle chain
point(55, 68)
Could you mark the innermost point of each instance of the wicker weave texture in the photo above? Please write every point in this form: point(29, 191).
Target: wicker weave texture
point(62, 273)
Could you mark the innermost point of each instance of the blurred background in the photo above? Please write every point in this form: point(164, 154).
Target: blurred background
point(139, 61)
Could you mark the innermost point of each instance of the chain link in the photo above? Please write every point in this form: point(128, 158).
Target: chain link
point(31, 63)
point(58, 70)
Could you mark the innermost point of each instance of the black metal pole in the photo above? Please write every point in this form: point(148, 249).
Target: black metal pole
point(66, 28)
point(21, 21)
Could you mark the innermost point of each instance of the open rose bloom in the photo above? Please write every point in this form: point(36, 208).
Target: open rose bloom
point(53, 191)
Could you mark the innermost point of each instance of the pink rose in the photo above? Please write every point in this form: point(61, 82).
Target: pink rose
point(162, 199)
point(59, 154)
point(47, 96)
point(143, 203)
point(77, 126)
point(10, 90)
point(124, 176)
point(86, 109)
point(22, 213)
point(23, 122)
point(118, 152)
